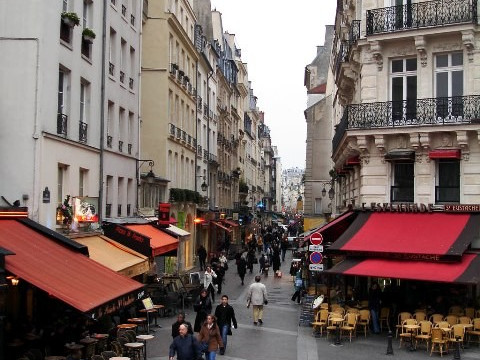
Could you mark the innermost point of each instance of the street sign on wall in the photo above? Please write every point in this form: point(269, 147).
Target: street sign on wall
point(318, 248)
point(316, 238)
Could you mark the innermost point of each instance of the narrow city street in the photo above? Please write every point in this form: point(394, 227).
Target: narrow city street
point(280, 337)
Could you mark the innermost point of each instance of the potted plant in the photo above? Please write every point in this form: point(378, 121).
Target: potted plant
point(71, 19)
point(88, 35)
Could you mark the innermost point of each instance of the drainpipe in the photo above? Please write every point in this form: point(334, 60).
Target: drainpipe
point(210, 74)
point(102, 113)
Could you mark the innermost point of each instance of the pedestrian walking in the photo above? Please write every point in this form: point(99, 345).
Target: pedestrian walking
point(374, 295)
point(284, 246)
point(185, 346)
point(209, 337)
point(218, 281)
point(202, 256)
point(242, 268)
point(176, 325)
point(203, 307)
point(298, 286)
point(250, 259)
point(225, 317)
point(208, 283)
point(276, 259)
point(257, 297)
point(223, 261)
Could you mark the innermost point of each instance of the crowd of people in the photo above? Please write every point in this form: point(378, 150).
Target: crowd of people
point(213, 327)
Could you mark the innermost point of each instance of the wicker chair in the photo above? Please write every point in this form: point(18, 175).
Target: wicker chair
point(401, 318)
point(384, 318)
point(475, 331)
point(350, 324)
point(407, 334)
point(424, 334)
point(451, 319)
point(364, 320)
point(439, 341)
point(321, 320)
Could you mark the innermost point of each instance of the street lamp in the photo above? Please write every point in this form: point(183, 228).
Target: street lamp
point(150, 177)
point(204, 185)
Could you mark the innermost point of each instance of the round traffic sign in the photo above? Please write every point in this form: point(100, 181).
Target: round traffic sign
point(316, 257)
point(316, 238)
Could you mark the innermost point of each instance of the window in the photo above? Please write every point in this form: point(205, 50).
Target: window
point(447, 187)
point(449, 84)
point(403, 78)
point(318, 206)
point(86, 13)
point(112, 52)
point(84, 101)
point(402, 182)
point(60, 182)
point(133, 66)
point(120, 196)
point(109, 196)
point(82, 181)
point(123, 60)
point(121, 128)
point(62, 115)
point(110, 124)
point(131, 131)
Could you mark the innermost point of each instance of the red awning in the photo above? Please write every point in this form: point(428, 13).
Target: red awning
point(221, 226)
point(354, 160)
point(62, 273)
point(173, 220)
point(445, 154)
point(160, 242)
point(332, 230)
point(409, 235)
point(466, 271)
point(230, 222)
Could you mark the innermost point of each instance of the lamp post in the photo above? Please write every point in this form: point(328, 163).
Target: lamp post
point(150, 177)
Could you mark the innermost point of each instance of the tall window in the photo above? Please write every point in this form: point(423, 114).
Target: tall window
point(133, 67)
point(112, 52)
point(65, 6)
point(123, 59)
point(131, 131)
point(110, 123)
point(60, 182)
point(403, 78)
point(62, 116)
point(121, 128)
point(82, 181)
point(109, 196)
point(83, 101)
point(449, 84)
point(447, 187)
point(402, 182)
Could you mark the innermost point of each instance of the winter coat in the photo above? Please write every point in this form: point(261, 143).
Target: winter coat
point(225, 316)
point(208, 279)
point(211, 336)
point(203, 307)
point(242, 266)
point(176, 327)
point(257, 294)
point(186, 348)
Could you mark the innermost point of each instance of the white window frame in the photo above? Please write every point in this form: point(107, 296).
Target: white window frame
point(449, 70)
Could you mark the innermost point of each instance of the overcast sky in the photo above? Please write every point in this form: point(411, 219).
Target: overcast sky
point(278, 38)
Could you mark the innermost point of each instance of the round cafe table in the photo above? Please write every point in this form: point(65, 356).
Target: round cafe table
point(411, 329)
point(337, 321)
point(144, 339)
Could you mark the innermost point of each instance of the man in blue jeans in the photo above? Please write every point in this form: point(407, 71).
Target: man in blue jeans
point(225, 316)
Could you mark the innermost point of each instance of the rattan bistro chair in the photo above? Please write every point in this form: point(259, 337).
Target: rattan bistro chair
point(424, 334)
point(384, 318)
point(407, 334)
point(475, 331)
point(350, 324)
point(364, 320)
point(401, 318)
point(439, 341)
point(451, 319)
point(321, 320)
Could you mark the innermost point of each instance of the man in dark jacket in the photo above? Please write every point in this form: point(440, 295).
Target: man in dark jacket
point(242, 268)
point(176, 325)
point(185, 345)
point(202, 256)
point(225, 316)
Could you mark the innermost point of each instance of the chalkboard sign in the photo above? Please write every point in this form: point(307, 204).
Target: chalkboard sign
point(195, 278)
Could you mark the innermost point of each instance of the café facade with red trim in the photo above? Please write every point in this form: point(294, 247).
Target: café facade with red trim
point(406, 243)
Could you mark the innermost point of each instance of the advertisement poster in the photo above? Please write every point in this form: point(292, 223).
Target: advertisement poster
point(85, 209)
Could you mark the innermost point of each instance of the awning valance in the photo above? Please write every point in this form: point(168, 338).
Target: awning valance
point(160, 241)
point(114, 255)
point(466, 271)
point(331, 230)
point(400, 155)
point(221, 226)
point(445, 154)
point(66, 275)
point(437, 236)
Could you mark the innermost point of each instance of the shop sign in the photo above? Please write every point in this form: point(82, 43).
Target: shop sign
point(462, 208)
point(132, 239)
point(315, 267)
point(85, 209)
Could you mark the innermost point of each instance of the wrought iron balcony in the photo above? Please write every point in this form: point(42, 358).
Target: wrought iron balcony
point(172, 129)
point(109, 141)
point(120, 146)
point(205, 154)
point(447, 194)
point(129, 148)
point(130, 83)
point(184, 136)
point(179, 133)
point(132, 20)
point(82, 132)
point(419, 112)
point(122, 76)
point(189, 139)
point(111, 69)
point(199, 150)
point(62, 121)
point(421, 15)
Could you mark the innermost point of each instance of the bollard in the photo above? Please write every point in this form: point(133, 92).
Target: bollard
point(456, 354)
point(389, 346)
point(338, 340)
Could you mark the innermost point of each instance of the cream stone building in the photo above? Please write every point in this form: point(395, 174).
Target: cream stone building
point(406, 102)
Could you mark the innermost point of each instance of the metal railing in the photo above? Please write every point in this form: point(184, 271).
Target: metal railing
point(82, 132)
point(122, 76)
point(447, 194)
point(120, 145)
point(124, 10)
point(130, 83)
point(401, 194)
point(416, 112)
point(421, 15)
point(111, 69)
point(132, 19)
point(62, 121)
point(129, 148)
point(109, 141)
point(172, 129)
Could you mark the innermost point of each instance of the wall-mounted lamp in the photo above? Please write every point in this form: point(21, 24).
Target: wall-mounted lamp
point(331, 192)
point(150, 177)
point(14, 280)
point(204, 185)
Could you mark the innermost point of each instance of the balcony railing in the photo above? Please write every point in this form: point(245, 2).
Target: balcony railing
point(447, 194)
point(184, 136)
point(401, 194)
point(62, 121)
point(122, 76)
point(124, 10)
point(108, 210)
point(421, 15)
point(82, 132)
point(419, 112)
point(179, 133)
point(111, 69)
point(172, 129)
point(205, 154)
point(130, 83)
point(199, 150)
point(132, 19)
point(120, 145)
point(109, 141)
point(129, 147)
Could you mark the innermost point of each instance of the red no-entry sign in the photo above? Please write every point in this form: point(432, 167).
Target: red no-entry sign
point(316, 238)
